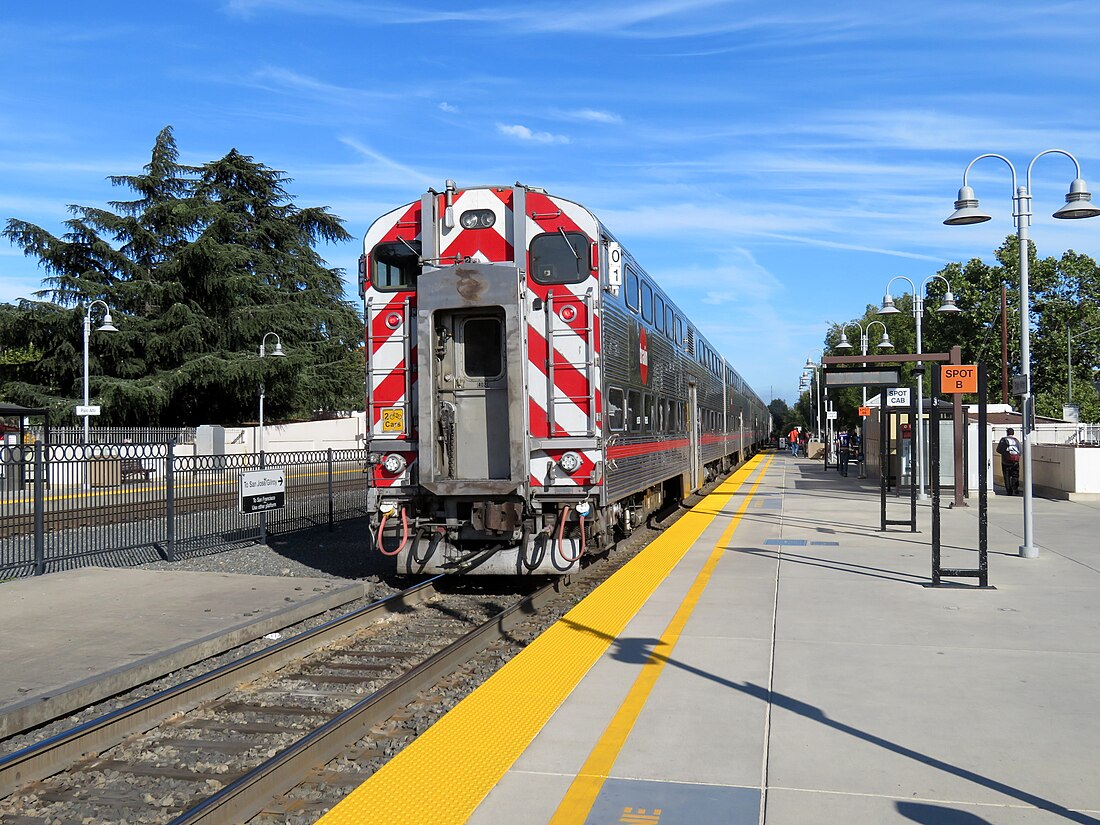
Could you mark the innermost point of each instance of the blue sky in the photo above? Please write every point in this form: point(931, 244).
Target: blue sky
point(773, 165)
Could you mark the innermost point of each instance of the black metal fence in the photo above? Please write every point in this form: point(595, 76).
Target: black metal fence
point(69, 506)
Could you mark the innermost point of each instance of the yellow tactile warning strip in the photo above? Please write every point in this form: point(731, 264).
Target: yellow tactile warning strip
point(582, 793)
point(444, 775)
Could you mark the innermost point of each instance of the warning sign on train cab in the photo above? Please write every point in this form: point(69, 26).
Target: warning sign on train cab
point(262, 490)
point(643, 356)
point(958, 378)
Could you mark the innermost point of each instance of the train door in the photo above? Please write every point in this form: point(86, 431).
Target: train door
point(472, 395)
point(694, 441)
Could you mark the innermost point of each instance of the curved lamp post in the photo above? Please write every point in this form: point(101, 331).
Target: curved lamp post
point(106, 326)
point(810, 366)
point(885, 343)
point(278, 353)
point(888, 308)
point(1078, 205)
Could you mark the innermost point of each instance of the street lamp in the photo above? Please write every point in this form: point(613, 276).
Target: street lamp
point(885, 343)
point(888, 308)
point(1069, 357)
point(812, 367)
point(278, 353)
point(106, 326)
point(1078, 205)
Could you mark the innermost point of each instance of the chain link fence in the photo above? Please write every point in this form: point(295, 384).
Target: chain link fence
point(65, 506)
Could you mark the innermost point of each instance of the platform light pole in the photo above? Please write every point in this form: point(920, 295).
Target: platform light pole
point(812, 368)
point(1078, 205)
point(106, 326)
point(885, 343)
point(278, 353)
point(888, 308)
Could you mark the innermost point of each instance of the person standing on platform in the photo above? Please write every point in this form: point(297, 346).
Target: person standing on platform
point(792, 440)
point(1008, 448)
point(843, 451)
point(804, 443)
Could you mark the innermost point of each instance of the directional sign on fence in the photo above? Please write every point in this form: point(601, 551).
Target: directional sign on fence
point(262, 490)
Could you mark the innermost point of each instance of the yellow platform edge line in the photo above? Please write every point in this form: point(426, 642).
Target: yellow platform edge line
point(444, 775)
point(585, 788)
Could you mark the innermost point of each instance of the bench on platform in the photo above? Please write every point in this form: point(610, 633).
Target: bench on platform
point(133, 468)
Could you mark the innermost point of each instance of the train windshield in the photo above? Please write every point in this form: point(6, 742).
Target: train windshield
point(560, 257)
point(395, 266)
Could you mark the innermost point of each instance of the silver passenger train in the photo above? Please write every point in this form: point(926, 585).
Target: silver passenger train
point(532, 395)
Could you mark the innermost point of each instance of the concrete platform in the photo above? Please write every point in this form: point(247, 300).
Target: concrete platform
point(789, 666)
point(74, 638)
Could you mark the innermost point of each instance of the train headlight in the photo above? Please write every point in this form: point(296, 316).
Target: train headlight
point(477, 219)
point(570, 462)
point(394, 464)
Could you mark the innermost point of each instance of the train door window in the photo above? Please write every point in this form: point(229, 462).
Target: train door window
point(648, 413)
point(483, 348)
point(633, 411)
point(647, 302)
point(632, 289)
point(659, 313)
point(560, 257)
point(615, 404)
point(395, 266)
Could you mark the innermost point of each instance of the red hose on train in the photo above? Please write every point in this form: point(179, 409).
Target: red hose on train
point(404, 535)
point(561, 530)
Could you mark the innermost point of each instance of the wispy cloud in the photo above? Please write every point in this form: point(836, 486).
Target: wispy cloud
point(595, 116)
point(525, 133)
point(392, 171)
point(448, 108)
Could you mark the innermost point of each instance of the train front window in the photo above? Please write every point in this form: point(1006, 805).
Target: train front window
point(483, 348)
point(560, 258)
point(395, 266)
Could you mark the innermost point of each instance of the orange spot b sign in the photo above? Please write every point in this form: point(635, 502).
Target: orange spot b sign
point(864, 412)
point(956, 378)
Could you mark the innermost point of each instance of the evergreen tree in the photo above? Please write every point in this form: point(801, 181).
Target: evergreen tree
point(196, 270)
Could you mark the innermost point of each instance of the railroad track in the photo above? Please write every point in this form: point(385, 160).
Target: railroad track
point(282, 734)
point(220, 747)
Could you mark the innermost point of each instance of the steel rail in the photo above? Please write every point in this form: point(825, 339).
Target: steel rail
point(59, 752)
point(245, 797)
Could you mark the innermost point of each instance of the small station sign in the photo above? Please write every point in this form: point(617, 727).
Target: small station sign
point(262, 490)
point(955, 378)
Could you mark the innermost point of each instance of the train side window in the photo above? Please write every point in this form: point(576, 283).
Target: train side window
point(648, 419)
point(560, 257)
point(395, 266)
point(659, 313)
point(615, 404)
point(647, 302)
point(632, 289)
point(680, 339)
point(633, 411)
point(670, 322)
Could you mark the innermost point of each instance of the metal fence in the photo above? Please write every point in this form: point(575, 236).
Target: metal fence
point(69, 506)
point(114, 435)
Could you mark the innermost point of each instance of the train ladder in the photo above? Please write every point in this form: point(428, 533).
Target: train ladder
point(376, 375)
point(560, 329)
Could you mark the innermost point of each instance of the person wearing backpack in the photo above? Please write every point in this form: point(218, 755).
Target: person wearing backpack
point(1009, 450)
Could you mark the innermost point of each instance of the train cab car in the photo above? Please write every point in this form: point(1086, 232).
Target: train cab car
point(532, 395)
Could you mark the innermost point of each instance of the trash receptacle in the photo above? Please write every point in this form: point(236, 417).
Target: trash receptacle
point(104, 471)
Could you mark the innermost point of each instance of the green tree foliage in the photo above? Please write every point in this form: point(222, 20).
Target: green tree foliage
point(196, 269)
point(1065, 298)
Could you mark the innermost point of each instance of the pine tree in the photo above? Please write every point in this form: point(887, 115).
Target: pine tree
point(196, 270)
